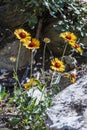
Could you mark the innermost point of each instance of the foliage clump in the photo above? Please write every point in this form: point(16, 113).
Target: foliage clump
point(73, 14)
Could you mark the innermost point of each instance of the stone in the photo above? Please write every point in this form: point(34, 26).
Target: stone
point(57, 44)
point(11, 15)
point(2, 126)
point(9, 53)
point(69, 108)
point(70, 62)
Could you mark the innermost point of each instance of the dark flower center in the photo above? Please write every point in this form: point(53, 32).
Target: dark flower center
point(73, 75)
point(22, 35)
point(68, 37)
point(76, 46)
point(32, 44)
point(57, 65)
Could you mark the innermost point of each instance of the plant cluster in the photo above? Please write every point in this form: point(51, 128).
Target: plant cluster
point(29, 109)
point(73, 14)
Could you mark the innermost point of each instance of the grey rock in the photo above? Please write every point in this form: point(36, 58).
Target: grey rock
point(50, 32)
point(2, 126)
point(70, 62)
point(11, 15)
point(69, 108)
point(11, 50)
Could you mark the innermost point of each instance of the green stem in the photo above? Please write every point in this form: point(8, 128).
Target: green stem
point(18, 57)
point(64, 51)
point(31, 66)
point(16, 68)
point(43, 64)
point(16, 78)
point(42, 92)
point(44, 56)
point(52, 78)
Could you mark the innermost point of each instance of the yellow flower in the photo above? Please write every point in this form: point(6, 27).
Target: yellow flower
point(57, 65)
point(67, 75)
point(30, 83)
point(22, 35)
point(47, 40)
point(77, 47)
point(13, 59)
point(73, 77)
point(73, 80)
point(33, 44)
point(68, 36)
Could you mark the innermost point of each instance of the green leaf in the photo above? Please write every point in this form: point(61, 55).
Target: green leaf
point(3, 94)
point(32, 21)
point(14, 120)
point(40, 86)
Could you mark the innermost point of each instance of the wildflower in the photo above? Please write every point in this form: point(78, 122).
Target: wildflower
point(13, 59)
point(77, 47)
point(73, 76)
point(57, 65)
point(68, 36)
point(73, 80)
point(67, 75)
point(22, 35)
point(33, 44)
point(47, 40)
point(30, 83)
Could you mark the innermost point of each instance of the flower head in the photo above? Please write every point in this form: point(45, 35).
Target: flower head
point(77, 47)
point(33, 44)
point(68, 36)
point(22, 35)
point(47, 40)
point(30, 83)
point(73, 80)
point(12, 59)
point(57, 65)
point(71, 76)
point(67, 75)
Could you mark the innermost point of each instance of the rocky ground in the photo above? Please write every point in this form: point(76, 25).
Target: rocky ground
point(69, 108)
point(7, 80)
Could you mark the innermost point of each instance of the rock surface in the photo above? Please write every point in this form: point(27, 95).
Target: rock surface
point(10, 51)
point(69, 109)
point(11, 15)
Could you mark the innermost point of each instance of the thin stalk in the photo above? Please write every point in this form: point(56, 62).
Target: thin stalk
point(16, 78)
point(64, 51)
point(31, 66)
point(42, 92)
point(16, 68)
point(52, 78)
point(43, 63)
point(18, 57)
point(44, 56)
